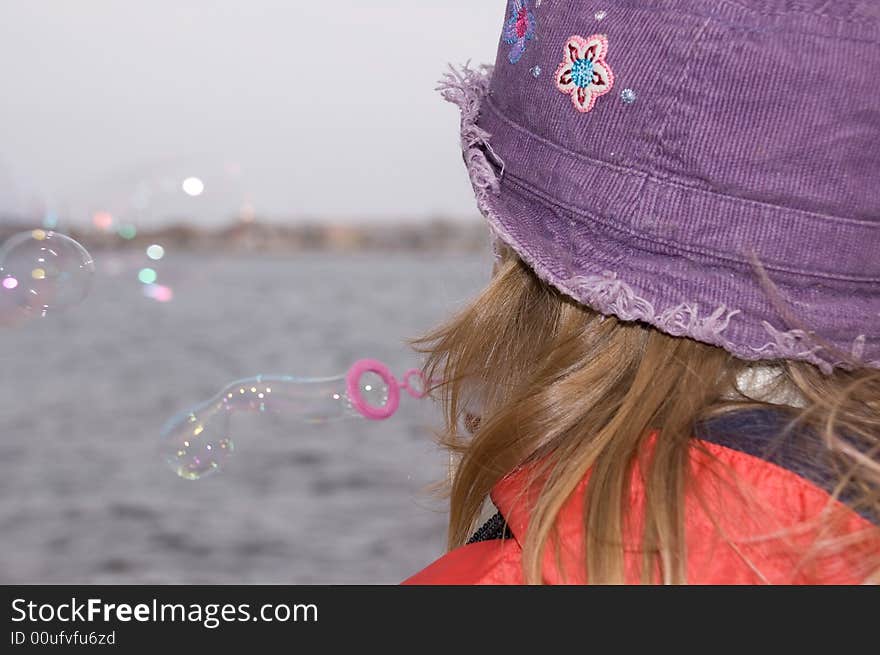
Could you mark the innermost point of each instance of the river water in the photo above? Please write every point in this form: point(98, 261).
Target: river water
point(84, 498)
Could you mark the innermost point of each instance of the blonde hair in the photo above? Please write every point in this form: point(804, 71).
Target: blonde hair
point(570, 391)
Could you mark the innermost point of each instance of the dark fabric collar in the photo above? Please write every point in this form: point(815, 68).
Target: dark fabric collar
point(774, 436)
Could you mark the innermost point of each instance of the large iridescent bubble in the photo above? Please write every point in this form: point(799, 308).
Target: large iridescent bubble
point(199, 441)
point(43, 272)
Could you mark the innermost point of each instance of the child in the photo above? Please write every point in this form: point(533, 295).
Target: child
point(673, 374)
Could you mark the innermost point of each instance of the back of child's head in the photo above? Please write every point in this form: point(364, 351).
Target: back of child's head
point(687, 212)
point(567, 390)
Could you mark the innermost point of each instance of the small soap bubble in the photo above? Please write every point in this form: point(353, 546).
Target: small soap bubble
point(42, 271)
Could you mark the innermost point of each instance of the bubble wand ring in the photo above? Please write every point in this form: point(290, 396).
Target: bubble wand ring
point(416, 392)
point(353, 387)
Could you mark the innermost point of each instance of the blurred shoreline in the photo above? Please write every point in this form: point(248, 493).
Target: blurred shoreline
point(433, 235)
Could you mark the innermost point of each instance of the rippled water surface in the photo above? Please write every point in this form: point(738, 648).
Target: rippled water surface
point(84, 497)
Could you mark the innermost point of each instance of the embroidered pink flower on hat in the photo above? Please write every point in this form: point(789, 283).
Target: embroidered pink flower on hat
point(584, 74)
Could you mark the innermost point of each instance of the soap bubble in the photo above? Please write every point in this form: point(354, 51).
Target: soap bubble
point(199, 442)
point(43, 271)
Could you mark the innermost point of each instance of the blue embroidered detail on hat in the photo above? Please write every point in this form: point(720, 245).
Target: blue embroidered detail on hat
point(582, 73)
point(520, 28)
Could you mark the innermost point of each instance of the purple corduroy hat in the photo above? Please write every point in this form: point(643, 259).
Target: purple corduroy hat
point(709, 167)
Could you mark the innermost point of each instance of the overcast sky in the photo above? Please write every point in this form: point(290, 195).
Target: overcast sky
point(320, 108)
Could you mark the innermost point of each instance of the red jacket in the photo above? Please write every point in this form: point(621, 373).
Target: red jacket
point(740, 549)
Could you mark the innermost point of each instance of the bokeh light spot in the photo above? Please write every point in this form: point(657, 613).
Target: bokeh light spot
point(128, 232)
point(147, 275)
point(155, 252)
point(159, 292)
point(103, 220)
point(193, 186)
